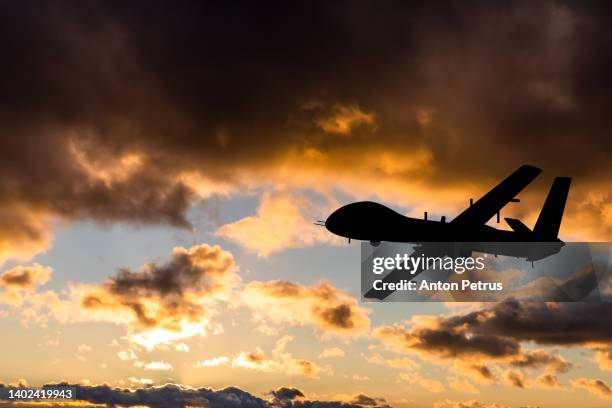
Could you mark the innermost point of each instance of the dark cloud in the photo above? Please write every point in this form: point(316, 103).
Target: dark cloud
point(445, 341)
point(25, 277)
point(494, 336)
point(365, 401)
point(285, 393)
point(543, 323)
point(201, 267)
point(106, 107)
point(176, 296)
point(541, 359)
point(482, 373)
point(171, 395)
point(338, 316)
point(515, 378)
point(542, 83)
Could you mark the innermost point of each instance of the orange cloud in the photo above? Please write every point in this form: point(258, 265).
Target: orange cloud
point(162, 304)
point(18, 288)
point(594, 386)
point(281, 222)
point(325, 307)
point(515, 378)
point(23, 232)
point(466, 404)
point(344, 119)
point(25, 277)
point(281, 361)
point(603, 356)
point(548, 381)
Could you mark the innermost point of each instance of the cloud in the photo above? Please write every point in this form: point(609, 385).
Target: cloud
point(19, 289)
point(487, 342)
point(594, 386)
point(142, 140)
point(332, 352)
point(479, 372)
point(548, 381)
point(173, 395)
point(585, 325)
point(213, 362)
point(281, 222)
point(158, 366)
point(25, 278)
point(541, 359)
point(127, 355)
point(494, 335)
point(515, 378)
point(322, 305)
point(466, 404)
point(362, 399)
point(540, 322)
point(432, 336)
point(285, 393)
point(84, 348)
point(603, 357)
point(344, 119)
point(23, 232)
point(281, 361)
point(429, 384)
point(162, 304)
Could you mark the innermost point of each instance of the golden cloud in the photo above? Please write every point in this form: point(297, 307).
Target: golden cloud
point(594, 386)
point(25, 278)
point(466, 404)
point(322, 305)
point(281, 222)
point(281, 361)
point(18, 288)
point(515, 378)
point(163, 304)
point(548, 381)
point(344, 118)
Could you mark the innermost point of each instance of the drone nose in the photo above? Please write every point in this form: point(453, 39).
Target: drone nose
point(331, 221)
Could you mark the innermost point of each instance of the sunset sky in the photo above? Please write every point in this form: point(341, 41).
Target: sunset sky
point(163, 164)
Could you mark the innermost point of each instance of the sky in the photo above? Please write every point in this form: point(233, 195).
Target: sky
point(163, 164)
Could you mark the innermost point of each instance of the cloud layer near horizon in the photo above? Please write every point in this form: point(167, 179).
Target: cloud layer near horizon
point(174, 395)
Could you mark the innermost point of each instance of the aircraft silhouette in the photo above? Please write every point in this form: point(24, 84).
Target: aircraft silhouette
point(370, 221)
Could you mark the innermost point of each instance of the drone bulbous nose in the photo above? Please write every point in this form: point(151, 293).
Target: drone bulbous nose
point(333, 222)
